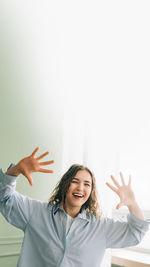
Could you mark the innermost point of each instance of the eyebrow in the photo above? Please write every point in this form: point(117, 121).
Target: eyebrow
point(79, 180)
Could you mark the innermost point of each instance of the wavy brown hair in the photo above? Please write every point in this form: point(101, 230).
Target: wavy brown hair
point(59, 193)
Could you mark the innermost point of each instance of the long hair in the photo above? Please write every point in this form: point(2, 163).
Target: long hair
point(59, 193)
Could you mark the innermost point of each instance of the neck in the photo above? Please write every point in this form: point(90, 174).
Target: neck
point(72, 211)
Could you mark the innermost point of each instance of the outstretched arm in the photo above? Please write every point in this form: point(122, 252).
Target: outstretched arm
point(15, 207)
point(30, 164)
point(126, 195)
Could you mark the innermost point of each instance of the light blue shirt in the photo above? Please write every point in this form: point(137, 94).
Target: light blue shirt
point(46, 243)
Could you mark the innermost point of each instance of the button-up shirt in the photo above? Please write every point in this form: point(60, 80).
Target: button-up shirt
point(46, 243)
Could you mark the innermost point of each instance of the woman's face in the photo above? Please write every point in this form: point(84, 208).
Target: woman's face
point(79, 190)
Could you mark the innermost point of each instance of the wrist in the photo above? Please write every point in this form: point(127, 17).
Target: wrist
point(13, 171)
point(132, 205)
point(135, 209)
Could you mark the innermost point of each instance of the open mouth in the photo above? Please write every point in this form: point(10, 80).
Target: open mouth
point(77, 196)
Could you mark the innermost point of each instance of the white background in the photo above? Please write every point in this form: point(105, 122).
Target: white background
point(75, 80)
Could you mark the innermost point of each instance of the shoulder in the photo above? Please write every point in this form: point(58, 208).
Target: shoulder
point(52, 207)
point(100, 220)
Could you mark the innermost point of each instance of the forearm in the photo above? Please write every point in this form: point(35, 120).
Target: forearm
point(136, 210)
point(15, 207)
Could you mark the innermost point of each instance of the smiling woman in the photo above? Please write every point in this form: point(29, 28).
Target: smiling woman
point(67, 229)
point(77, 189)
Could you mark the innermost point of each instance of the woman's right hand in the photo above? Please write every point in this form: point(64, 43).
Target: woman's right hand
point(30, 164)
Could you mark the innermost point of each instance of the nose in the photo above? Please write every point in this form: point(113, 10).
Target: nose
point(80, 187)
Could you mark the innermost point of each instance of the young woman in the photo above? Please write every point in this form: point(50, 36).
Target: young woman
point(69, 230)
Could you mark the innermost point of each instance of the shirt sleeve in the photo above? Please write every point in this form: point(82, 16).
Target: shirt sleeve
point(120, 234)
point(15, 207)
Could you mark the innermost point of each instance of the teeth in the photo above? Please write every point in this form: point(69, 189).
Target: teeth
point(78, 195)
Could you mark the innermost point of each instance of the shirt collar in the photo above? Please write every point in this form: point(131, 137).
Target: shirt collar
point(82, 215)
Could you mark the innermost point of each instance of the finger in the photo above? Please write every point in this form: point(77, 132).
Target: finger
point(129, 182)
point(122, 179)
point(46, 162)
point(115, 181)
point(43, 155)
point(45, 170)
point(34, 152)
point(111, 187)
point(119, 205)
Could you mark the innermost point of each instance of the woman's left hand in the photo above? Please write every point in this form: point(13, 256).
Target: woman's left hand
point(125, 193)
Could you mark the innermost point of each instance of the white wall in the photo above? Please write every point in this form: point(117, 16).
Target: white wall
point(31, 111)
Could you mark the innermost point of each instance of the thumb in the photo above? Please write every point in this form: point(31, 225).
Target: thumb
point(119, 205)
point(29, 178)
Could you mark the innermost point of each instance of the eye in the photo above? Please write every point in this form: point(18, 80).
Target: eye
point(87, 184)
point(74, 181)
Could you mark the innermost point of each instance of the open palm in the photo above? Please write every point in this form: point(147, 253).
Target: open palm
point(124, 191)
point(31, 164)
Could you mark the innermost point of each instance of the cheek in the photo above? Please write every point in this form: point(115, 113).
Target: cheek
point(70, 189)
point(89, 190)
